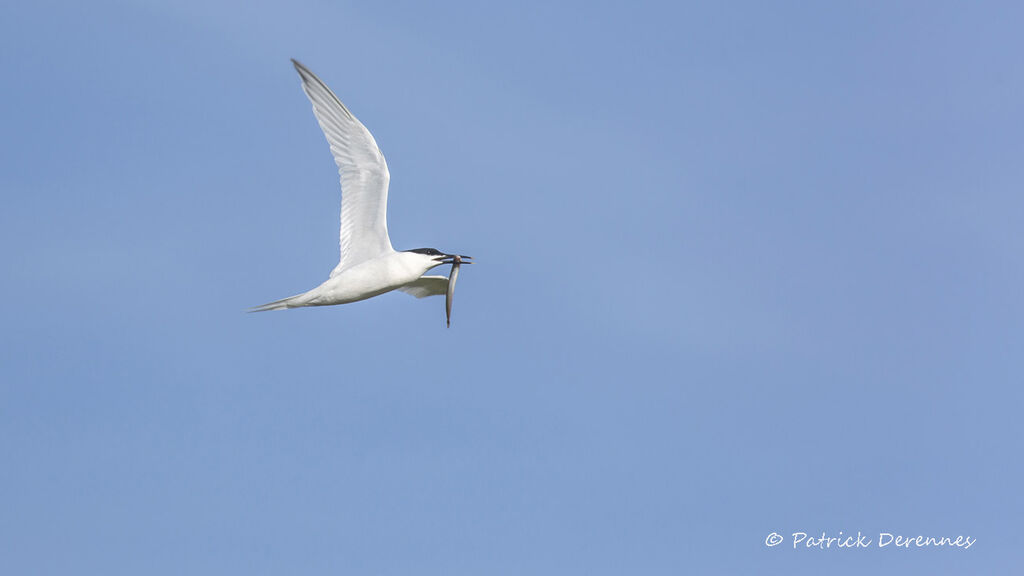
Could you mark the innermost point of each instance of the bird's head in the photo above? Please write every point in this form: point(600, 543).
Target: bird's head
point(434, 257)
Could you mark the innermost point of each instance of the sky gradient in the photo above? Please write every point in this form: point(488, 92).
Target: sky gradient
point(742, 268)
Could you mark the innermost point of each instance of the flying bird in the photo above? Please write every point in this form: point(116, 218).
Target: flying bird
point(369, 266)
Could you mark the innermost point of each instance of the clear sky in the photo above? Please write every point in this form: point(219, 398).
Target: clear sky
point(743, 268)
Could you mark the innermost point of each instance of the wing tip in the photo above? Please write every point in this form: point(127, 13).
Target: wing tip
point(304, 72)
point(311, 81)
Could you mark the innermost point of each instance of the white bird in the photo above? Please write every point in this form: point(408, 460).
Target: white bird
point(369, 266)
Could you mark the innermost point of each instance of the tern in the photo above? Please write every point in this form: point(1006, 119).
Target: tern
point(369, 266)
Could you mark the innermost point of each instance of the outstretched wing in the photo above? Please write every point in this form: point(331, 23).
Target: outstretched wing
point(364, 175)
point(426, 286)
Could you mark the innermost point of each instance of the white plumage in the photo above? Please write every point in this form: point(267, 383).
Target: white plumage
point(368, 265)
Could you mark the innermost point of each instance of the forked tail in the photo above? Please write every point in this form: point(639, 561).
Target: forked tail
point(297, 301)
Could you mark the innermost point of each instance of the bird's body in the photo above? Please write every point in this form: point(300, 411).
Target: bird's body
point(371, 278)
point(369, 266)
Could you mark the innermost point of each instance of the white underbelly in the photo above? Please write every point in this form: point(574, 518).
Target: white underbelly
point(361, 282)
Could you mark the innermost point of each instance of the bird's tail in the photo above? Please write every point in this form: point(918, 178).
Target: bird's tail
point(296, 301)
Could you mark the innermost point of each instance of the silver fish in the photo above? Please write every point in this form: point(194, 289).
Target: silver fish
point(451, 289)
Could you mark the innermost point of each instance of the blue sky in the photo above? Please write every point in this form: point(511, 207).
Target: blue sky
point(743, 268)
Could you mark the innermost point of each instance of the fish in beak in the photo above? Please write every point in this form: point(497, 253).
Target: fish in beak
point(456, 261)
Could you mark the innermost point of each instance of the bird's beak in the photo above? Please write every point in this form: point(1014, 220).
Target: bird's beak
point(450, 258)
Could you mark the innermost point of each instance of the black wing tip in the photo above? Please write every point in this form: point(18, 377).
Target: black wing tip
point(309, 78)
point(307, 75)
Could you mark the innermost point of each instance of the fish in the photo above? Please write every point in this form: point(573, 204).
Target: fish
point(451, 289)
